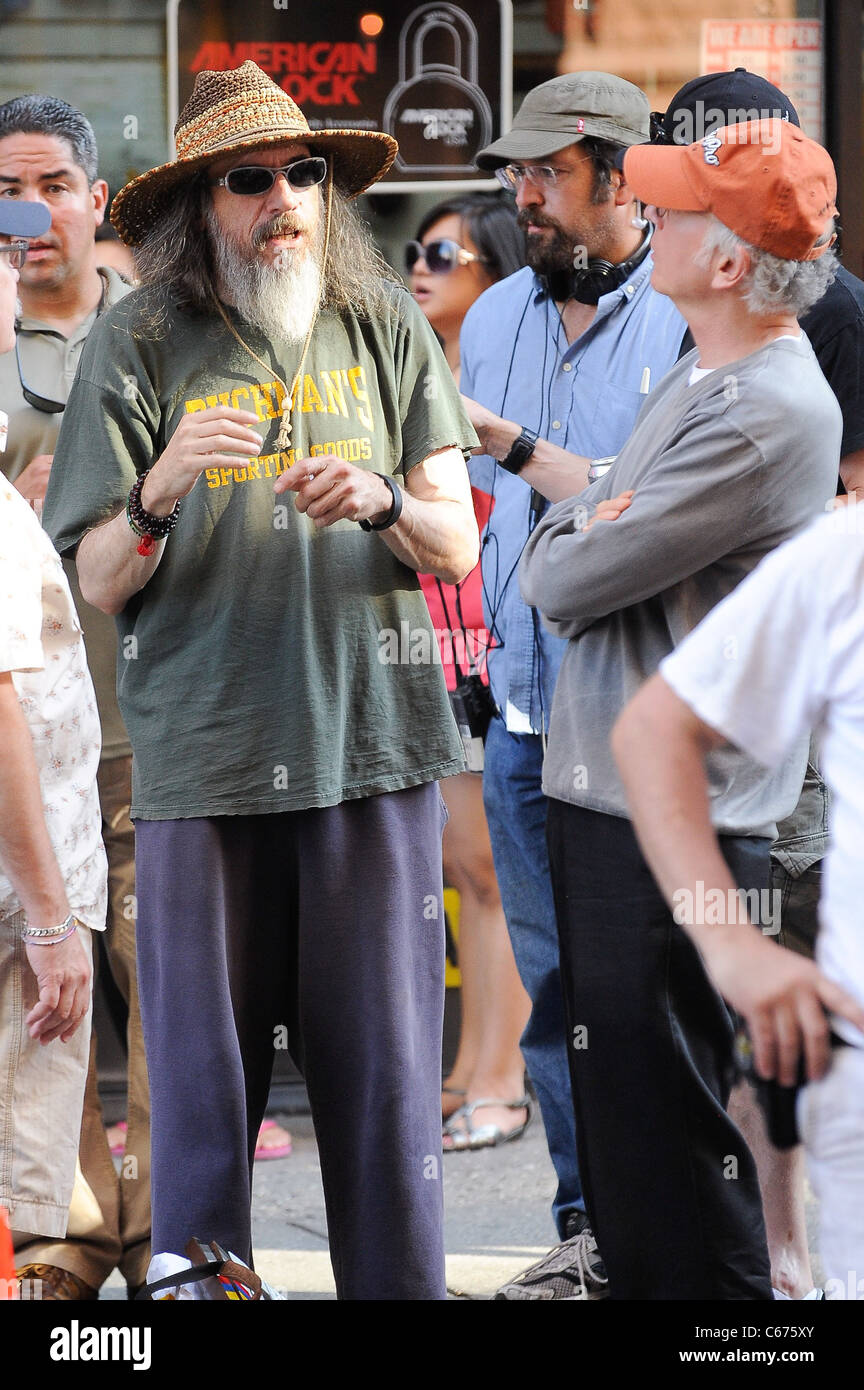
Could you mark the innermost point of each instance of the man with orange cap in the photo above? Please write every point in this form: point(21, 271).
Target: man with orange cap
point(733, 452)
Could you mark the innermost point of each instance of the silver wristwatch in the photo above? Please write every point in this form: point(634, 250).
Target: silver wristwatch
point(600, 467)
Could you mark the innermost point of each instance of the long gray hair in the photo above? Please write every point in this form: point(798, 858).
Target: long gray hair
point(177, 254)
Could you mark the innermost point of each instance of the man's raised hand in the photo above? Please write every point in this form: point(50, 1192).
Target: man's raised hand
point(217, 437)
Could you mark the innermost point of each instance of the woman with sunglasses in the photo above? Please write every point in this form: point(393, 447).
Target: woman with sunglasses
point(463, 246)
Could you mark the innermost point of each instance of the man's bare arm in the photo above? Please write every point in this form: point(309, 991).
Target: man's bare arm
point(553, 471)
point(660, 745)
point(437, 531)
point(110, 570)
point(62, 971)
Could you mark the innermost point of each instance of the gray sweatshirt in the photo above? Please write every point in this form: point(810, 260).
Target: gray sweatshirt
point(723, 471)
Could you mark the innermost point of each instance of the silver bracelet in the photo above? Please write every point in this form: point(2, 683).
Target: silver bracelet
point(53, 940)
point(46, 934)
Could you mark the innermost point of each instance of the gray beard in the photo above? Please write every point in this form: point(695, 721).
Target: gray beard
point(281, 298)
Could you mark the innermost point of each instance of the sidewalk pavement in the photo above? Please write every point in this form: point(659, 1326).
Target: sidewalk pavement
point(497, 1205)
point(497, 1216)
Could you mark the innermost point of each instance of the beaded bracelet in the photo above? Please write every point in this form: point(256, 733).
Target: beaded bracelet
point(149, 527)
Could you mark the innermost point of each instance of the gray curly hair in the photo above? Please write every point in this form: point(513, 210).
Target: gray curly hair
point(773, 283)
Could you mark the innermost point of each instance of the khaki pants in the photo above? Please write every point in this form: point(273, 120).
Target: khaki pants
point(41, 1090)
point(109, 1213)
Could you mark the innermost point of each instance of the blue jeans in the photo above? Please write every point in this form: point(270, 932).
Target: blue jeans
point(516, 813)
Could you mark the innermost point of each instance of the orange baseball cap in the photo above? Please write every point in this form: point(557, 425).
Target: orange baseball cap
point(765, 180)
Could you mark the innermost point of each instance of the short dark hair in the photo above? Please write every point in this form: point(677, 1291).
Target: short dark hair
point(490, 220)
point(43, 115)
point(603, 153)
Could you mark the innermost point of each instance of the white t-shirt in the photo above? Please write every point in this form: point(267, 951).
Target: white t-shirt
point(41, 645)
point(784, 653)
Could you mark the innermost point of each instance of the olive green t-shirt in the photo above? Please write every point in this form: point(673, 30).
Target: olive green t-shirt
point(265, 666)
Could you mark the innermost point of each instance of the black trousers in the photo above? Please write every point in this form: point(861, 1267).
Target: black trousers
point(670, 1186)
point(321, 931)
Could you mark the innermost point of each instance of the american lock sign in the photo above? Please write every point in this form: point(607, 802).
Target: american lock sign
point(437, 76)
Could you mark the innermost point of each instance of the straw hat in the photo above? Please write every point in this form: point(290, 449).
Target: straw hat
point(242, 109)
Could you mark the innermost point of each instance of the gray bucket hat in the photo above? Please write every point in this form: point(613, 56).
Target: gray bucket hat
point(566, 109)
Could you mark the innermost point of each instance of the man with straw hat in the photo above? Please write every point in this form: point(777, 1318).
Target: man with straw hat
point(287, 731)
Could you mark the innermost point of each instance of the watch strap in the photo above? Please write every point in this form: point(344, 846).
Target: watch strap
point(395, 507)
point(521, 451)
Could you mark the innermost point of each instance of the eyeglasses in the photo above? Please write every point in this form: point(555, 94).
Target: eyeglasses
point(251, 180)
point(440, 256)
point(17, 253)
point(541, 175)
point(43, 403)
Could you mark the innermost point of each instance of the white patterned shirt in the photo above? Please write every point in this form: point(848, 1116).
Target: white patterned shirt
point(42, 647)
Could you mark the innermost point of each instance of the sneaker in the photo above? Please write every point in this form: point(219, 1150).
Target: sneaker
point(573, 1270)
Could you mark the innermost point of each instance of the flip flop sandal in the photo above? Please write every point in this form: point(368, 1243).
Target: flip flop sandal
point(262, 1151)
point(484, 1136)
point(224, 1277)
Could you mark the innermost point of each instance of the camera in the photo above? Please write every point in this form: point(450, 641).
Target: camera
point(473, 710)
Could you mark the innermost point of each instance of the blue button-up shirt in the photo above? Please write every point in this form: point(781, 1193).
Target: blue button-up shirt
point(584, 396)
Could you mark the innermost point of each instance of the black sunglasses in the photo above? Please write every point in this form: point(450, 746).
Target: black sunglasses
point(251, 180)
point(657, 128)
point(440, 256)
point(43, 403)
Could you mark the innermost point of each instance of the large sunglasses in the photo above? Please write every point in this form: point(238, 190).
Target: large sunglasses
point(251, 180)
point(17, 253)
point(440, 256)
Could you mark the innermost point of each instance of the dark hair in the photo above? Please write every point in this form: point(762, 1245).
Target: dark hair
point(490, 220)
point(603, 153)
point(41, 115)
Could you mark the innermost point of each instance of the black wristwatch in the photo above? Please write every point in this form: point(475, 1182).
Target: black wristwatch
point(521, 452)
point(395, 507)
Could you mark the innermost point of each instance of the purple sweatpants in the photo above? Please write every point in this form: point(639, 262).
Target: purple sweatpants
point(324, 927)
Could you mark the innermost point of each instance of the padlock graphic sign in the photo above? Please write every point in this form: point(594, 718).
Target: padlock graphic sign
point(437, 112)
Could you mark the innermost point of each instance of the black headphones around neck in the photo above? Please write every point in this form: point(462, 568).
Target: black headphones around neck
point(587, 283)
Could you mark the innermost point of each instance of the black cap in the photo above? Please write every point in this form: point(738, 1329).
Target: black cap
point(718, 99)
point(18, 218)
